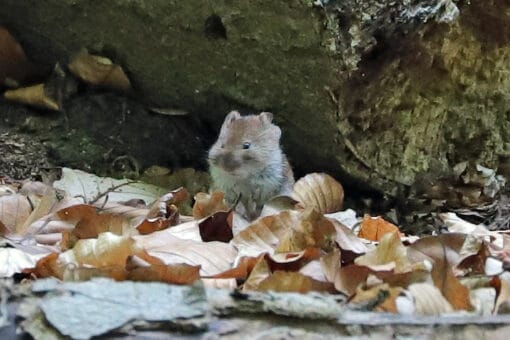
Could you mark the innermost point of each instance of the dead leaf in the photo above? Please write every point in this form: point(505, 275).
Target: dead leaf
point(374, 228)
point(429, 300)
point(347, 240)
point(182, 274)
point(242, 270)
point(319, 191)
point(330, 264)
point(292, 261)
point(348, 278)
point(34, 95)
point(163, 212)
point(390, 254)
point(213, 257)
point(502, 284)
point(99, 71)
point(208, 204)
point(14, 211)
point(107, 250)
point(217, 227)
point(90, 222)
point(282, 281)
point(258, 274)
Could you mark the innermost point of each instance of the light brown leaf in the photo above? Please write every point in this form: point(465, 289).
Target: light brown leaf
point(374, 228)
point(213, 257)
point(319, 191)
point(99, 71)
point(347, 240)
point(330, 264)
point(390, 254)
point(14, 211)
point(258, 274)
point(208, 204)
point(90, 222)
point(34, 95)
point(182, 274)
point(282, 281)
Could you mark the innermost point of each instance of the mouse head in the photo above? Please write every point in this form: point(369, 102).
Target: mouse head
point(246, 144)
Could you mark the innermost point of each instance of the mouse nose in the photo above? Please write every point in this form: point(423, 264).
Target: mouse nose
point(228, 162)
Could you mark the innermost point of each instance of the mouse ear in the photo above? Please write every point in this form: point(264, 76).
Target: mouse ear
point(266, 117)
point(233, 115)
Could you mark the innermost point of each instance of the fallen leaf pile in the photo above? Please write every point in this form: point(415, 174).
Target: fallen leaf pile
point(85, 226)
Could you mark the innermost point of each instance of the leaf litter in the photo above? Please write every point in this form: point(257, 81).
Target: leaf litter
point(129, 231)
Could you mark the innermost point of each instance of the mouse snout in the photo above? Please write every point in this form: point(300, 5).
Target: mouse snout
point(227, 161)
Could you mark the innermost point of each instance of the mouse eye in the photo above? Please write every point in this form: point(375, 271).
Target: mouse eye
point(246, 145)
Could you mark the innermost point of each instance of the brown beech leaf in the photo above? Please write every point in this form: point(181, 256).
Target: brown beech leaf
point(82, 273)
point(330, 264)
point(34, 95)
point(213, 257)
point(390, 254)
point(107, 250)
point(311, 230)
point(217, 227)
point(374, 228)
point(319, 191)
point(163, 212)
point(282, 281)
point(444, 250)
point(243, 269)
point(289, 231)
point(350, 277)
point(258, 274)
point(15, 68)
point(99, 71)
point(292, 261)
point(14, 211)
point(208, 204)
point(182, 274)
point(502, 284)
point(46, 267)
point(313, 270)
point(90, 222)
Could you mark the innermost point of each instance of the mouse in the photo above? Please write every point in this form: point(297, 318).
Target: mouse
point(247, 163)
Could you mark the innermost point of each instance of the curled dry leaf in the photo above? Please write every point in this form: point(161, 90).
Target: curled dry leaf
point(289, 231)
point(34, 95)
point(319, 191)
point(99, 71)
point(163, 212)
point(14, 211)
point(107, 250)
point(208, 204)
point(347, 240)
point(374, 228)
